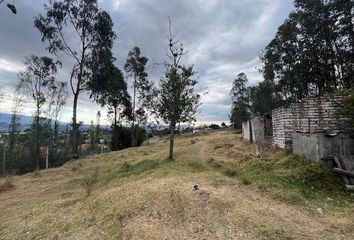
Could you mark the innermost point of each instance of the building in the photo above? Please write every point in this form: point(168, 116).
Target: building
point(314, 128)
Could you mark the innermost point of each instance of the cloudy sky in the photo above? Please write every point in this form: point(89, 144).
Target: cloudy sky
point(224, 37)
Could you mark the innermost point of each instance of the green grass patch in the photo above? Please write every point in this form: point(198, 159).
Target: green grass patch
point(273, 234)
point(151, 166)
point(288, 178)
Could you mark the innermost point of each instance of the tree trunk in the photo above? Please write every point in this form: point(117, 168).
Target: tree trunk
point(172, 136)
point(37, 146)
point(133, 123)
point(74, 126)
point(65, 142)
point(114, 141)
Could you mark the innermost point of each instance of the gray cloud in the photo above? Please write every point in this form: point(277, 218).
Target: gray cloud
point(223, 38)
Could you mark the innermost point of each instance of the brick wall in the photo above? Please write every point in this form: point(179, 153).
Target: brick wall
point(312, 115)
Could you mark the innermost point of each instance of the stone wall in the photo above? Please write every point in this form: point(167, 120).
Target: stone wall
point(312, 115)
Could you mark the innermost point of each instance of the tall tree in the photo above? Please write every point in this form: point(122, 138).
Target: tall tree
point(240, 101)
point(115, 97)
point(118, 102)
point(263, 98)
point(37, 80)
point(94, 37)
point(342, 12)
point(135, 67)
point(98, 127)
point(176, 99)
point(15, 122)
point(312, 52)
point(58, 100)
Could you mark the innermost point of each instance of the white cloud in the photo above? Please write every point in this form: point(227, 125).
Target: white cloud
point(224, 38)
point(8, 66)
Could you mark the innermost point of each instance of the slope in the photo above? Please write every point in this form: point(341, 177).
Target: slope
point(137, 194)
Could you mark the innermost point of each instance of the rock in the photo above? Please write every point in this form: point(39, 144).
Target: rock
point(319, 211)
point(195, 188)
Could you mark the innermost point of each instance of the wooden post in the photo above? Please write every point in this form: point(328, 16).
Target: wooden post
point(344, 172)
point(339, 165)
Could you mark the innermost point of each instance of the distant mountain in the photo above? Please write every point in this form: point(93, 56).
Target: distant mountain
point(26, 121)
point(5, 119)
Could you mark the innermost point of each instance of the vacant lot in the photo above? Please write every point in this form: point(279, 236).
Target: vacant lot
point(137, 194)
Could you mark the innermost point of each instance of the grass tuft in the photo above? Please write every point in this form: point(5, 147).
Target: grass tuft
point(7, 184)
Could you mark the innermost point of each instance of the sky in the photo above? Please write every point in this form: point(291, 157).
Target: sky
point(223, 37)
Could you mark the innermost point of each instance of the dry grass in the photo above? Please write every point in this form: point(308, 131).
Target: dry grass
point(141, 195)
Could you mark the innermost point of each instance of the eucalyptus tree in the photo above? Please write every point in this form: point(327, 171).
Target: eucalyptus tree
point(117, 100)
point(313, 50)
point(240, 100)
point(83, 32)
point(135, 67)
point(37, 81)
point(15, 122)
point(58, 100)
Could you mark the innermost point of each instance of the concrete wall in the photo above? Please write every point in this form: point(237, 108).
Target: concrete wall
point(312, 115)
point(319, 145)
point(255, 130)
point(246, 131)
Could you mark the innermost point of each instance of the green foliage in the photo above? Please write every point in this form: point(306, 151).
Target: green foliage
point(122, 138)
point(135, 67)
point(176, 100)
point(348, 103)
point(38, 82)
point(90, 47)
point(264, 98)
point(214, 126)
point(240, 101)
point(313, 50)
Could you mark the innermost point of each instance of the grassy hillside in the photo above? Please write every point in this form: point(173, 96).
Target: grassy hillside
point(137, 194)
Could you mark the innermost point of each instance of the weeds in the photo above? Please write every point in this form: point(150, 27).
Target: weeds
point(245, 181)
point(88, 183)
point(230, 172)
point(7, 182)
